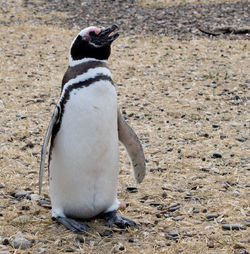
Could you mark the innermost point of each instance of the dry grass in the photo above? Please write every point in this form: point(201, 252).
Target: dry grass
point(179, 2)
point(172, 93)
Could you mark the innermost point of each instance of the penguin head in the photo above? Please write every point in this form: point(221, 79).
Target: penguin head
point(93, 42)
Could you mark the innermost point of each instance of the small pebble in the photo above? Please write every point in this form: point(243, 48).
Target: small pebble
point(215, 126)
point(34, 196)
point(236, 192)
point(20, 116)
point(195, 210)
point(5, 241)
point(43, 202)
point(20, 241)
point(173, 207)
point(173, 232)
point(79, 239)
point(25, 208)
point(172, 235)
point(233, 227)
point(132, 189)
point(106, 233)
point(212, 216)
point(41, 250)
point(19, 194)
point(244, 252)
point(216, 170)
point(209, 227)
point(241, 139)
point(2, 185)
point(210, 244)
point(216, 155)
point(155, 204)
point(178, 218)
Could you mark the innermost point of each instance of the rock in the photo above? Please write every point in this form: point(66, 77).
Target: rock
point(34, 196)
point(233, 227)
point(25, 208)
point(41, 250)
point(244, 252)
point(19, 194)
point(20, 116)
point(236, 192)
point(215, 126)
point(188, 196)
point(216, 155)
point(155, 204)
point(178, 218)
point(106, 233)
point(212, 216)
point(132, 189)
point(79, 239)
point(172, 235)
point(2, 185)
point(4, 252)
point(196, 210)
point(27, 145)
point(241, 139)
point(210, 244)
point(44, 203)
point(121, 247)
point(5, 241)
point(216, 170)
point(173, 207)
point(20, 241)
point(209, 227)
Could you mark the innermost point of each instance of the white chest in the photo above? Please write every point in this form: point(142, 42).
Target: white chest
point(84, 160)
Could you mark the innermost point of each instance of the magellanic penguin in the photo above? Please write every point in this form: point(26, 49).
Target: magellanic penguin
point(84, 134)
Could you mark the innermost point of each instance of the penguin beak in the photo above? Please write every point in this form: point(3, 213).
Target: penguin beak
point(104, 37)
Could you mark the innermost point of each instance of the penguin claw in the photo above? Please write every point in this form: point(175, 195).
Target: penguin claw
point(115, 218)
point(73, 225)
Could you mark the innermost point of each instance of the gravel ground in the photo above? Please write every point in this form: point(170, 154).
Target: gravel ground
point(188, 100)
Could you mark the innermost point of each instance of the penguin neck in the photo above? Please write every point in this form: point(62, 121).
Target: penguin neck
point(81, 68)
point(73, 62)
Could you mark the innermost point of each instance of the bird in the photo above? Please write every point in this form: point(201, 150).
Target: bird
point(84, 134)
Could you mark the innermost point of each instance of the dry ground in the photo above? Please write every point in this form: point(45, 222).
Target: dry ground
point(186, 100)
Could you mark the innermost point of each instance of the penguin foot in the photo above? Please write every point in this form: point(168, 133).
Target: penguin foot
point(73, 225)
point(115, 217)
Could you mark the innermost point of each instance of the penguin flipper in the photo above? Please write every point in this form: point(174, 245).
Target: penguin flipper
point(53, 120)
point(133, 146)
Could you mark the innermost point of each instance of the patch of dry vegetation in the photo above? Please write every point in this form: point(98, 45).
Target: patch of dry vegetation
point(186, 100)
point(178, 2)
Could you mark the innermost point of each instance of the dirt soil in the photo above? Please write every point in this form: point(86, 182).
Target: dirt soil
point(186, 94)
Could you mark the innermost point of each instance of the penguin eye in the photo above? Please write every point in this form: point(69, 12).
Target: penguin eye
point(92, 33)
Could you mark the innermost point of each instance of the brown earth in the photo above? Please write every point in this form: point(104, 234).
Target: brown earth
point(188, 101)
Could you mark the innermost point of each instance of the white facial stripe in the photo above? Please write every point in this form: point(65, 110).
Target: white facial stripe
point(73, 63)
point(83, 33)
point(91, 73)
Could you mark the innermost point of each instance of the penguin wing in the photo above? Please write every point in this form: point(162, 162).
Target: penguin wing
point(53, 120)
point(133, 146)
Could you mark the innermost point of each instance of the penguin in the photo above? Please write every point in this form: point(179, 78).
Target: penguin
point(84, 134)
